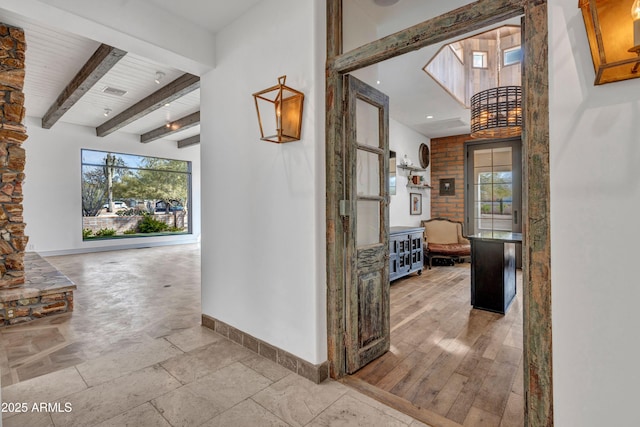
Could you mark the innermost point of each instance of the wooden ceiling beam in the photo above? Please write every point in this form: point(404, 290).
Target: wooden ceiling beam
point(189, 141)
point(102, 60)
point(174, 90)
point(170, 128)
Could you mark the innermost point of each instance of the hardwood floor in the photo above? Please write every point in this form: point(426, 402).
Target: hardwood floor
point(450, 364)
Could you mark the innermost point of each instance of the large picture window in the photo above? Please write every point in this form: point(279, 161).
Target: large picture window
point(125, 195)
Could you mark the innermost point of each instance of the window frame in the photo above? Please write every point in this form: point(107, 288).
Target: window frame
point(485, 59)
point(188, 167)
point(509, 50)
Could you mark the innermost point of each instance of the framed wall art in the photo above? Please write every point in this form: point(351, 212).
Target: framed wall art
point(415, 200)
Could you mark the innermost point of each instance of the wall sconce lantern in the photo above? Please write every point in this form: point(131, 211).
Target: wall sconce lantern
point(613, 30)
point(279, 111)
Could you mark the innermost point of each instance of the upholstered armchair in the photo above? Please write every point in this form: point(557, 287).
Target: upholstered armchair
point(444, 238)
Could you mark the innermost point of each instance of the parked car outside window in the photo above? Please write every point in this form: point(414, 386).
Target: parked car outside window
point(174, 206)
point(116, 205)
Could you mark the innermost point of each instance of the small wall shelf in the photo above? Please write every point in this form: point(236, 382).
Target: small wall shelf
point(413, 170)
point(419, 186)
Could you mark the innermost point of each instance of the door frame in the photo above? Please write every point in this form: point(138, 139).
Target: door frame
point(536, 194)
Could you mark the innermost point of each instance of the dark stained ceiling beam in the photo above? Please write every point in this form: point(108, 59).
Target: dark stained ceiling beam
point(102, 60)
point(189, 141)
point(181, 124)
point(174, 90)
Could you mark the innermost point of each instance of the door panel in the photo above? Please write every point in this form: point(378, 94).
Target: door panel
point(494, 186)
point(367, 224)
point(493, 199)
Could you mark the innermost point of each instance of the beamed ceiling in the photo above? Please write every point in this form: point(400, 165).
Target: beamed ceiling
point(66, 78)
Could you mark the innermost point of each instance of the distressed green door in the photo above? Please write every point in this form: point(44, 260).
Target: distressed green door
point(366, 213)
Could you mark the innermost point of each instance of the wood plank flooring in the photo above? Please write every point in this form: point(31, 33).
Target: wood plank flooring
point(457, 365)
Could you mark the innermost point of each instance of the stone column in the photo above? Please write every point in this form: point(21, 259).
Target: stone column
point(12, 156)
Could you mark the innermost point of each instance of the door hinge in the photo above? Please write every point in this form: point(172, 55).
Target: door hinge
point(345, 214)
point(345, 208)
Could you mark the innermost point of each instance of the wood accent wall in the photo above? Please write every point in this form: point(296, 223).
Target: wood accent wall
point(447, 161)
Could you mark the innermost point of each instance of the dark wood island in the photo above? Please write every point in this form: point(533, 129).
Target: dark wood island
point(493, 270)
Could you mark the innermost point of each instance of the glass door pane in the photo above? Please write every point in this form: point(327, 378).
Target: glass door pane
point(491, 196)
point(369, 174)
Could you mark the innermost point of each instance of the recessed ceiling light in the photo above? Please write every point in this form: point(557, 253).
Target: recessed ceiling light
point(167, 104)
point(106, 112)
point(168, 125)
point(377, 82)
point(159, 77)
point(429, 117)
point(385, 3)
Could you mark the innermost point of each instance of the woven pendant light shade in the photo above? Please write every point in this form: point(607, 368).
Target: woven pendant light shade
point(497, 112)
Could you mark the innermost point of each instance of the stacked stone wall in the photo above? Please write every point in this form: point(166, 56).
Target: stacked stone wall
point(12, 156)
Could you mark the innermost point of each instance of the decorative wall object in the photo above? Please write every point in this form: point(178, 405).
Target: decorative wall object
point(448, 187)
point(392, 173)
point(279, 111)
point(613, 30)
point(423, 155)
point(415, 200)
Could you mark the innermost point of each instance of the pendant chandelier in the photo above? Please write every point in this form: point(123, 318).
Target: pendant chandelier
point(497, 112)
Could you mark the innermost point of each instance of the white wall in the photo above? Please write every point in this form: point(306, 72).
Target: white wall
point(595, 197)
point(404, 140)
point(52, 188)
point(263, 245)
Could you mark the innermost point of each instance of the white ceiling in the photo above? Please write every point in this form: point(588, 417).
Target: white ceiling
point(55, 56)
point(213, 15)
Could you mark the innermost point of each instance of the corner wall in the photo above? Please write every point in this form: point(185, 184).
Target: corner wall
point(263, 245)
point(404, 140)
point(52, 189)
point(595, 200)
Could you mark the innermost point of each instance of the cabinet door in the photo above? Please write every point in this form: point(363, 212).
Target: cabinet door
point(416, 251)
point(393, 258)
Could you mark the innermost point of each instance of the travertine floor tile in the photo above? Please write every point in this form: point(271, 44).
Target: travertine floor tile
point(29, 419)
point(246, 414)
point(348, 411)
point(194, 337)
point(112, 398)
point(297, 400)
point(203, 361)
point(144, 415)
point(129, 359)
point(47, 388)
point(199, 401)
point(266, 367)
point(379, 406)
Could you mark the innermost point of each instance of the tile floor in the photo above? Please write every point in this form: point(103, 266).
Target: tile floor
point(194, 377)
point(143, 364)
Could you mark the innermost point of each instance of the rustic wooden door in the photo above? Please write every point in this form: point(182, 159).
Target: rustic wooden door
point(366, 214)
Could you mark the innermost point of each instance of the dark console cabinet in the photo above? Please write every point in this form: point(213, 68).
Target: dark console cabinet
point(405, 251)
point(493, 270)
